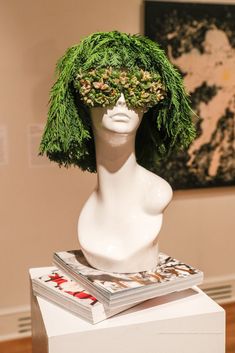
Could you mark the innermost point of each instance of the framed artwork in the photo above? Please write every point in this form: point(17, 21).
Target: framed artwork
point(199, 39)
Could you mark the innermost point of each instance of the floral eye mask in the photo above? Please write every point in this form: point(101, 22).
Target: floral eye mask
point(103, 87)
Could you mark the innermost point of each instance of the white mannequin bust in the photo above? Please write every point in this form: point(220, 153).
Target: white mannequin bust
point(119, 224)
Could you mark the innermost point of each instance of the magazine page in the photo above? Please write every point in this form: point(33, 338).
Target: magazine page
point(167, 270)
point(62, 285)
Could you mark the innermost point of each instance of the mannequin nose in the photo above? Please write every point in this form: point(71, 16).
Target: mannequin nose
point(121, 102)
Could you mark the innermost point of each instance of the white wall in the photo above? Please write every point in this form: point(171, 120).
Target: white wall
point(39, 206)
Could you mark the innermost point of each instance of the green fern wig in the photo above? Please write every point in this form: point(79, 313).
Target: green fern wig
point(68, 138)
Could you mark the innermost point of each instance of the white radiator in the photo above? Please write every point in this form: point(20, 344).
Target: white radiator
point(15, 323)
point(221, 289)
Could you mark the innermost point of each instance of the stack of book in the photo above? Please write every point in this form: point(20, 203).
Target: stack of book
point(95, 295)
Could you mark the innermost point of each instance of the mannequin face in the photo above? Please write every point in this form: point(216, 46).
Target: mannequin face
point(118, 119)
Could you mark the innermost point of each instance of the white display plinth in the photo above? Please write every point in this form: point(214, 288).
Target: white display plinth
point(182, 322)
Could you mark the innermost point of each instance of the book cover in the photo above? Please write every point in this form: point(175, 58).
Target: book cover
point(118, 289)
point(54, 285)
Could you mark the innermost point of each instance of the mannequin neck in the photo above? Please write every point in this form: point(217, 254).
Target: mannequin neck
point(116, 161)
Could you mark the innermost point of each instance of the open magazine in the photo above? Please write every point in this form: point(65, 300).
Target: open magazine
point(54, 285)
point(115, 290)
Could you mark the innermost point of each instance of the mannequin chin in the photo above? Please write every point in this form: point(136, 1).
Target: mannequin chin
point(119, 224)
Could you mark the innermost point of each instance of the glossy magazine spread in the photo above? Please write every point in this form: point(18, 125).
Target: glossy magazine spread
point(169, 275)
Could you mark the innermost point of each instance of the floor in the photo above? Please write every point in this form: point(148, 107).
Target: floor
point(25, 345)
point(230, 327)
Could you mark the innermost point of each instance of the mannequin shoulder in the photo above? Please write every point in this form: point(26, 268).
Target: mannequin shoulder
point(158, 192)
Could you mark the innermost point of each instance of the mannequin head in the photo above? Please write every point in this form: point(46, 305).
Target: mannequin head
point(97, 73)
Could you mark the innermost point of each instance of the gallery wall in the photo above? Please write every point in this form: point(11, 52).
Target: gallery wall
point(40, 202)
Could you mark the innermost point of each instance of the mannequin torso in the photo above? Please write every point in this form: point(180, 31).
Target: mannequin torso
point(122, 232)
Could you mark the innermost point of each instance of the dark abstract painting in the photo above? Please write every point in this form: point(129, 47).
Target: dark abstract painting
point(199, 40)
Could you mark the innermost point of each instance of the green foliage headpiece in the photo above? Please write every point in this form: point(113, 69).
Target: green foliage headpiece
point(91, 74)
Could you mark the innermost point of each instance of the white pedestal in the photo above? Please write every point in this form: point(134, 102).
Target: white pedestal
point(182, 322)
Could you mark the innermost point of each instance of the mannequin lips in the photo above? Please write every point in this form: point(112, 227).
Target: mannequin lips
point(122, 117)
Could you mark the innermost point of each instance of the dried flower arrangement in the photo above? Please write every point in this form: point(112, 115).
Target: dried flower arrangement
point(103, 86)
